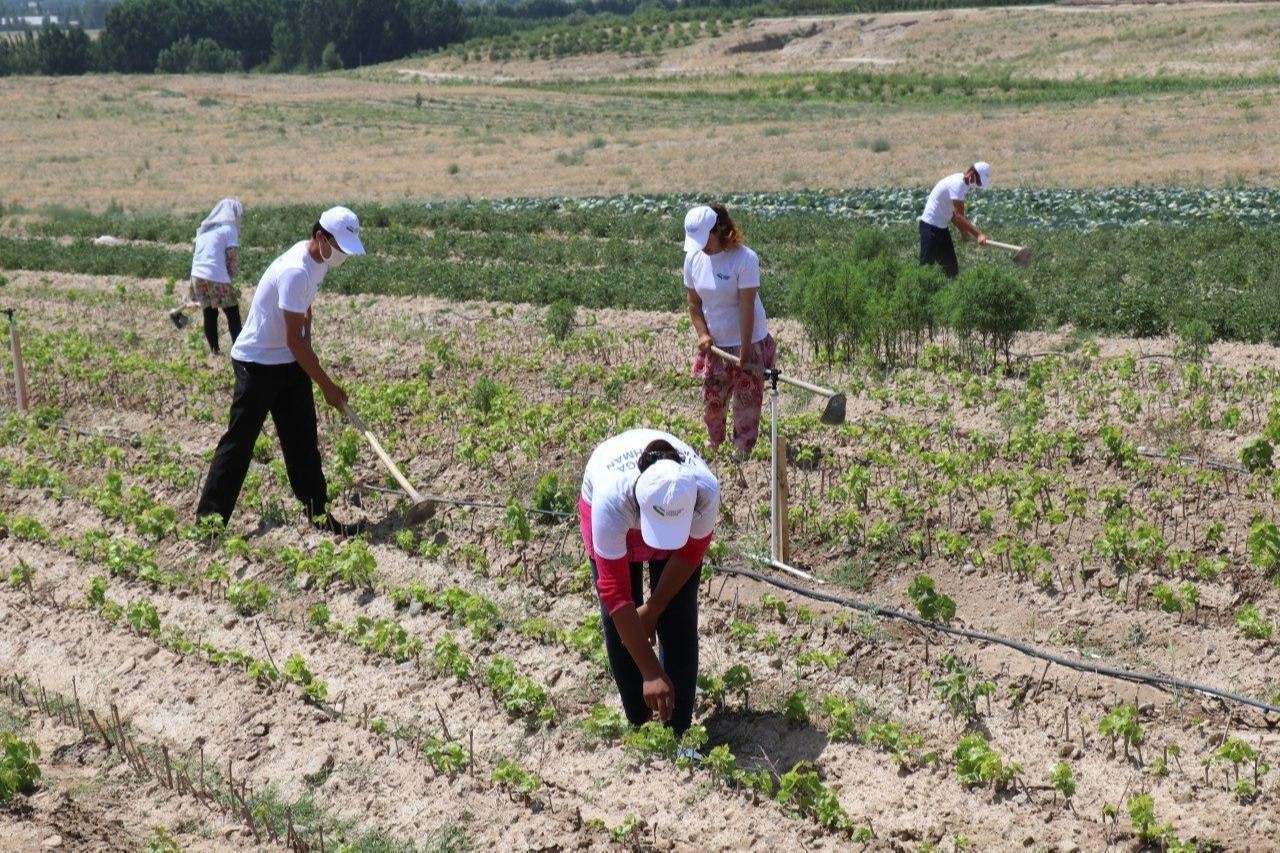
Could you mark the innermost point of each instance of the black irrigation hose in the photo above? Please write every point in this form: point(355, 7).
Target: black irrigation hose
point(1080, 666)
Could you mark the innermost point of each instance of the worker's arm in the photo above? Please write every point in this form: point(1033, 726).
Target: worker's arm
point(962, 222)
point(747, 324)
point(659, 693)
point(297, 328)
point(233, 261)
point(699, 321)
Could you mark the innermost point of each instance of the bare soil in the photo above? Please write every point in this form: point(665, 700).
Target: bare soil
point(278, 742)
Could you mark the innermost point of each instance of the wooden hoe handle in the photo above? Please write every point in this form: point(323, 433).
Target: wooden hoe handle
point(363, 429)
point(799, 383)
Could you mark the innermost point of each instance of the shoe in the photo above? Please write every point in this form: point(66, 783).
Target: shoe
point(332, 525)
point(179, 318)
point(688, 755)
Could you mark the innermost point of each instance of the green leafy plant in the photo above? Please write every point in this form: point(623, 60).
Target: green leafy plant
point(1257, 455)
point(446, 757)
point(931, 604)
point(1142, 813)
point(1253, 624)
point(448, 657)
point(318, 616)
point(22, 575)
point(796, 708)
point(297, 672)
point(978, 763)
point(604, 723)
point(143, 617)
point(652, 740)
point(248, 597)
point(96, 592)
point(1063, 780)
point(1264, 545)
point(1122, 725)
point(515, 779)
point(960, 686)
point(550, 496)
point(19, 772)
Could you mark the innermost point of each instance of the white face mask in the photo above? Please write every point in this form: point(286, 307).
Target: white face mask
point(335, 257)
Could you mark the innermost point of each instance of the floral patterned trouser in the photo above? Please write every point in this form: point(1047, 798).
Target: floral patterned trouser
point(723, 381)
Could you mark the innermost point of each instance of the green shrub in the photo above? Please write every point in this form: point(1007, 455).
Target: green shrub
point(987, 307)
point(560, 318)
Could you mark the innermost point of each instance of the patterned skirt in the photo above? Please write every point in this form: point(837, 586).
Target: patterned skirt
point(213, 294)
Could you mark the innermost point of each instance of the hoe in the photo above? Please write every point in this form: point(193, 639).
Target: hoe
point(423, 508)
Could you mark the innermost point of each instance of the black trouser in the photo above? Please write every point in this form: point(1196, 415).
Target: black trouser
point(936, 248)
point(284, 390)
point(211, 325)
point(677, 649)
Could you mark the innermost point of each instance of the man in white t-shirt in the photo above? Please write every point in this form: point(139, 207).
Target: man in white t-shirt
point(275, 366)
point(946, 205)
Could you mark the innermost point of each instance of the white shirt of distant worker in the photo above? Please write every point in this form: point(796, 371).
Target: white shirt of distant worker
point(945, 205)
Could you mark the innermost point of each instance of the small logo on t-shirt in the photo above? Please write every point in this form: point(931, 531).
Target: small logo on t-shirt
point(723, 276)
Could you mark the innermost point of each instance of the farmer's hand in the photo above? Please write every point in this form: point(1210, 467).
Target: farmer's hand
point(334, 395)
point(982, 239)
point(746, 355)
point(705, 343)
point(660, 695)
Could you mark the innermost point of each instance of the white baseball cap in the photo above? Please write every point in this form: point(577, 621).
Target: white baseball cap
point(983, 168)
point(697, 228)
point(345, 228)
point(666, 492)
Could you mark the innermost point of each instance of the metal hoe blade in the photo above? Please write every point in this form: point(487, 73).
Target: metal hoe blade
point(833, 414)
point(1023, 256)
point(420, 512)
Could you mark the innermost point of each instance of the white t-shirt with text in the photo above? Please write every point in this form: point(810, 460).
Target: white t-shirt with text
point(289, 284)
point(209, 261)
point(717, 279)
point(608, 486)
point(939, 209)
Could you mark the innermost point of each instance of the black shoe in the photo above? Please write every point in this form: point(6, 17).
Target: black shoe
point(331, 525)
point(179, 318)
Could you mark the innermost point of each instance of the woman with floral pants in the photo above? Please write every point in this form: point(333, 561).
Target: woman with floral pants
point(722, 283)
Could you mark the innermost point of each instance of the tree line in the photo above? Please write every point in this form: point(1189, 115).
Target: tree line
point(175, 36)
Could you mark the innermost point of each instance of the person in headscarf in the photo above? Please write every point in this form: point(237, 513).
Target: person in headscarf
point(213, 265)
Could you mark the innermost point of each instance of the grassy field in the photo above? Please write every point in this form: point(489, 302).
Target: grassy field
point(1082, 108)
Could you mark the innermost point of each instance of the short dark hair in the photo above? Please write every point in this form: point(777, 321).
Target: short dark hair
point(318, 228)
point(656, 451)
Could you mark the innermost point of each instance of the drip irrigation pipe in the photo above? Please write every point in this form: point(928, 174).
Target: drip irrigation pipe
point(1164, 681)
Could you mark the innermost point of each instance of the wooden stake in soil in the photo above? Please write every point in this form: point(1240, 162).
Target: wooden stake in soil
point(101, 731)
point(76, 695)
point(19, 371)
